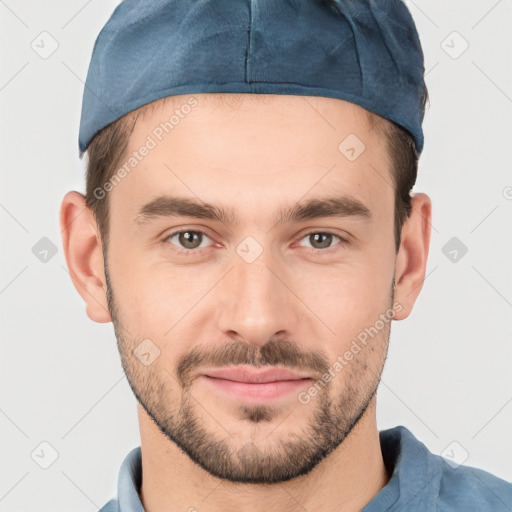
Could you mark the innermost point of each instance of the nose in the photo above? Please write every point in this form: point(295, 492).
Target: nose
point(256, 301)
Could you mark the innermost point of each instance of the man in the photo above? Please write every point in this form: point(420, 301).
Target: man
point(249, 230)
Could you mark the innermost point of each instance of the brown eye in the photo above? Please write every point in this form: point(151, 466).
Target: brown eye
point(321, 240)
point(188, 239)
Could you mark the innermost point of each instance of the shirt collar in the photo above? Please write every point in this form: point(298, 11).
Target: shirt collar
point(412, 467)
point(414, 473)
point(129, 483)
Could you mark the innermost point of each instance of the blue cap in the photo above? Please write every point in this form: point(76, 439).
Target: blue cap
point(363, 51)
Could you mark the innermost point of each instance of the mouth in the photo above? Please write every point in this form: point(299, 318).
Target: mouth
point(251, 385)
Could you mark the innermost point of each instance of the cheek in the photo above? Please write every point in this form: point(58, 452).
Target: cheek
point(160, 298)
point(346, 298)
point(144, 295)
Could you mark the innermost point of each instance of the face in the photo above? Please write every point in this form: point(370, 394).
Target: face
point(246, 238)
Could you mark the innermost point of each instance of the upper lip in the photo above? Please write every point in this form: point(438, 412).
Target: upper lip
point(240, 374)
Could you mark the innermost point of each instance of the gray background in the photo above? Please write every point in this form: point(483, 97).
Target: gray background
point(448, 376)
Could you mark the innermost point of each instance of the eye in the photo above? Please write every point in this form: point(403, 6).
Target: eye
point(188, 240)
point(321, 240)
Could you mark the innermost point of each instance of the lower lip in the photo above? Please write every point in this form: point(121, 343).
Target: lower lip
point(257, 392)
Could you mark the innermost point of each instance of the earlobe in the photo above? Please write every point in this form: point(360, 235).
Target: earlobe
point(411, 262)
point(83, 251)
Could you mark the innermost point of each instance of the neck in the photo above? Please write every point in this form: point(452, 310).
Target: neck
point(347, 479)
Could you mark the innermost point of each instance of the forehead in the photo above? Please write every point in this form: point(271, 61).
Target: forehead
point(255, 145)
point(219, 104)
point(260, 115)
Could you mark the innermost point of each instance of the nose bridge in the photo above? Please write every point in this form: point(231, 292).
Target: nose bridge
point(255, 304)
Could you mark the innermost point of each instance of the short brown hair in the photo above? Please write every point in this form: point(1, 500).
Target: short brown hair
point(109, 144)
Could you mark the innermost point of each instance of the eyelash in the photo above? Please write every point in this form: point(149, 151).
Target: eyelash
point(188, 252)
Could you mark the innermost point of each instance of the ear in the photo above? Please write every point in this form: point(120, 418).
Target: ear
point(83, 250)
point(411, 261)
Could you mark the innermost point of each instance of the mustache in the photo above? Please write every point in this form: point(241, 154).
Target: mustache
point(276, 352)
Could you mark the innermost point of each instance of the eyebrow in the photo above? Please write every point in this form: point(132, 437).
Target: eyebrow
point(177, 206)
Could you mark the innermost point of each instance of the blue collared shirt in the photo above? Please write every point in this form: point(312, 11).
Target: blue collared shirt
point(420, 482)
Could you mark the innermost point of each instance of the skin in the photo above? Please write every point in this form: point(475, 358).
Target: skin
point(296, 306)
